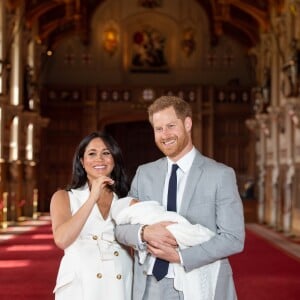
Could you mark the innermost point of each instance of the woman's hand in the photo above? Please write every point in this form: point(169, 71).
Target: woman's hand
point(98, 187)
point(66, 227)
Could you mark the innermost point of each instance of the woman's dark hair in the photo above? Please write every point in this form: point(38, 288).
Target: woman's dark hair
point(79, 176)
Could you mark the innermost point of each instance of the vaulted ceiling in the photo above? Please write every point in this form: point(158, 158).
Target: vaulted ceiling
point(56, 19)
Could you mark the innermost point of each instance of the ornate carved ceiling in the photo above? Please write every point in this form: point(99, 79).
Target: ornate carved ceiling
point(56, 19)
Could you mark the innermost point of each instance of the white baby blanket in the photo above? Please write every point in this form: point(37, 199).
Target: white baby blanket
point(199, 283)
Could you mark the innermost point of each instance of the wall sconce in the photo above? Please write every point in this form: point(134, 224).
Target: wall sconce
point(188, 42)
point(110, 40)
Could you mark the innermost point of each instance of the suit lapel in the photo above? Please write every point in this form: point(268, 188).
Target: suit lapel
point(191, 183)
point(159, 180)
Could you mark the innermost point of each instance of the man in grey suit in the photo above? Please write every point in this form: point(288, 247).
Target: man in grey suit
point(207, 194)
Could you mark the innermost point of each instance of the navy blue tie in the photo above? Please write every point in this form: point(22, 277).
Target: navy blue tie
point(160, 268)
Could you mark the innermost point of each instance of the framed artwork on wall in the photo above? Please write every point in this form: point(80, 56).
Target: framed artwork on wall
point(148, 50)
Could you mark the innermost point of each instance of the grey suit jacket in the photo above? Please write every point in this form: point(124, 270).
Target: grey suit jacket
point(210, 198)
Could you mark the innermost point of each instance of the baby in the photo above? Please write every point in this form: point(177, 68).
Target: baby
point(132, 211)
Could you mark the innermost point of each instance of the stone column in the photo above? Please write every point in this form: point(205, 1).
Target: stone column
point(263, 131)
point(274, 113)
point(3, 189)
point(30, 185)
point(290, 168)
point(2, 48)
point(16, 196)
point(33, 66)
point(16, 80)
point(3, 91)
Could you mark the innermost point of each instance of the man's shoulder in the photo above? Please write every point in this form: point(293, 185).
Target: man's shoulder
point(153, 164)
point(210, 163)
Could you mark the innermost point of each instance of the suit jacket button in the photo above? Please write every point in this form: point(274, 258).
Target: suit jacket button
point(145, 273)
point(119, 276)
point(116, 253)
point(99, 275)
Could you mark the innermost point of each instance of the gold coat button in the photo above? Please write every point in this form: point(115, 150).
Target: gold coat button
point(95, 237)
point(119, 276)
point(99, 275)
point(116, 253)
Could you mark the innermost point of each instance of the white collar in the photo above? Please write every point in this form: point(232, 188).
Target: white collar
point(184, 162)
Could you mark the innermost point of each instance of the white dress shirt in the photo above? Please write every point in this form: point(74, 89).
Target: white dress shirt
point(182, 172)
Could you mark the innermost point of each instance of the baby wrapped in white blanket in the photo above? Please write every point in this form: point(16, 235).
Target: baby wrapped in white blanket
point(199, 283)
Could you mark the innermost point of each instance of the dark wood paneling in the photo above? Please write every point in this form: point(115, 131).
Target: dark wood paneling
point(136, 140)
point(232, 141)
point(59, 141)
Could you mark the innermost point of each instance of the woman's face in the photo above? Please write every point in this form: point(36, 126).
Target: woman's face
point(97, 159)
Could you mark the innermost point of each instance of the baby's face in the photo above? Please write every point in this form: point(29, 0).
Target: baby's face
point(134, 201)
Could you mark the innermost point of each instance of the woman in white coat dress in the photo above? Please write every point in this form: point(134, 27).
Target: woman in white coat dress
point(94, 265)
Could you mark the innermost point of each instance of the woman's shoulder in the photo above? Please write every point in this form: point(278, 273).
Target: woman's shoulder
point(59, 200)
point(59, 194)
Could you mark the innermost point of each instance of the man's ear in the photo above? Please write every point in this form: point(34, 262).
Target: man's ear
point(188, 123)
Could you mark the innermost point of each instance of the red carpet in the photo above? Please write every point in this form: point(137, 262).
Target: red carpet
point(29, 263)
point(264, 272)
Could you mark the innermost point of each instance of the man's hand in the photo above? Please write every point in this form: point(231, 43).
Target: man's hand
point(158, 234)
point(164, 252)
